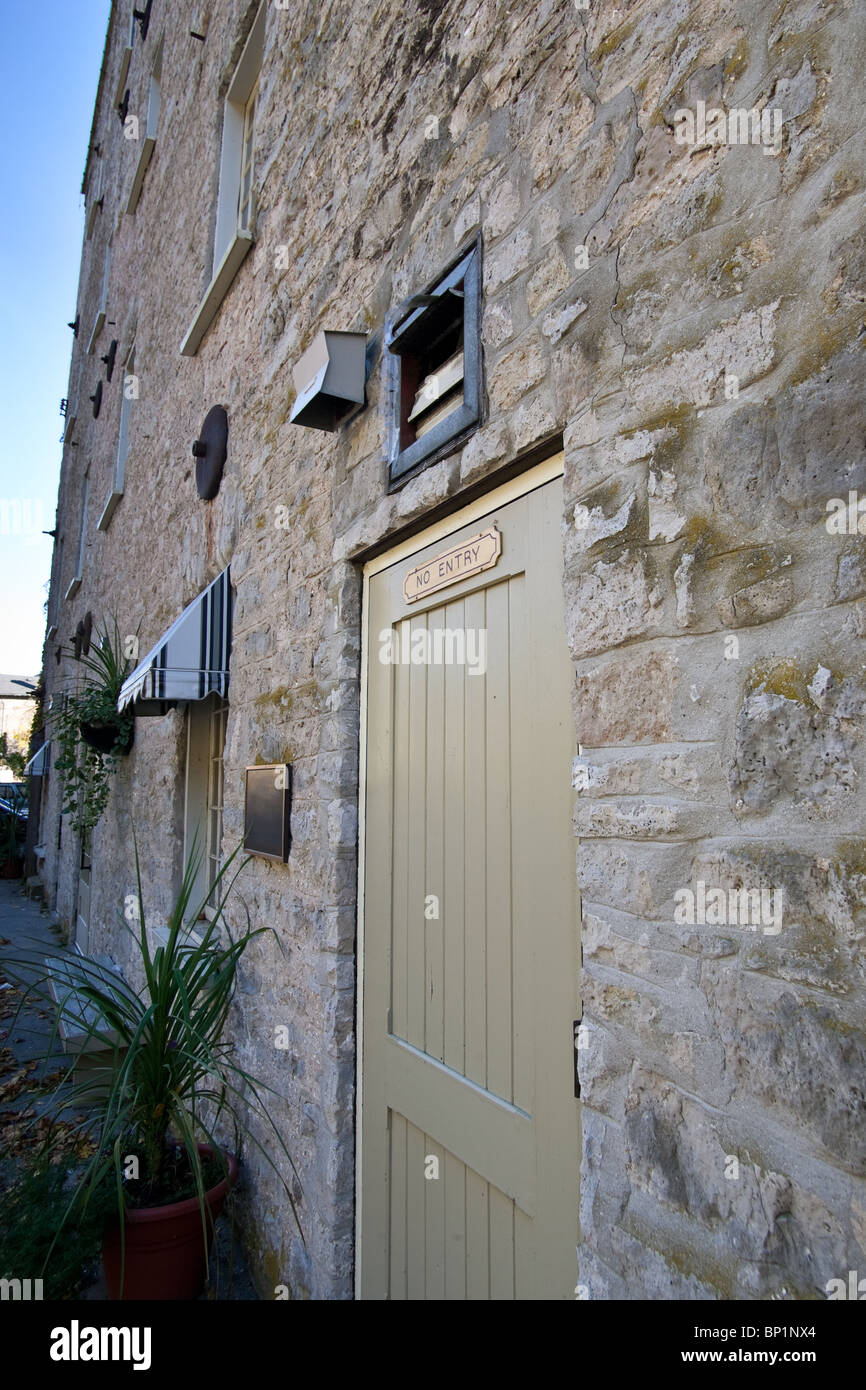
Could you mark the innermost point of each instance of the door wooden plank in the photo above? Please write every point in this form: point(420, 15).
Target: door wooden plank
point(416, 1227)
point(523, 909)
point(501, 1215)
point(432, 926)
point(472, 1124)
point(454, 873)
point(498, 792)
point(434, 1192)
point(475, 785)
point(526, 1282)
point(454, 1178)
point(398, 1234)
point(399, 836)
point(477, 1237)
point(416, 816)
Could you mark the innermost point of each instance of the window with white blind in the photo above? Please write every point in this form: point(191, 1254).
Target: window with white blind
point(203, 818)
point(95, 193)
point(235, 218)
point(245, 197)
point(75, 583)
point(130, 394)
point(147, 136)
point(102, 310)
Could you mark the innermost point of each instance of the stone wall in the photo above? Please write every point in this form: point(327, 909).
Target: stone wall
point(690, 319)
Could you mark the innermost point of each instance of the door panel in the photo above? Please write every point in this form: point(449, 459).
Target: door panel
point(470, 929)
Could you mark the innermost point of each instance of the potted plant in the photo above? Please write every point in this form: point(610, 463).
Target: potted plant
point(168, 1085)
point(90, 732)
point(102, 725)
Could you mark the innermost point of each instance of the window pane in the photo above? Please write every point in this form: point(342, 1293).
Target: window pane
point(216, 744)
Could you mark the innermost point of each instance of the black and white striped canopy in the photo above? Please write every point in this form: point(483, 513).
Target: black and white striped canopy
point(40, 762)
point(191, 659)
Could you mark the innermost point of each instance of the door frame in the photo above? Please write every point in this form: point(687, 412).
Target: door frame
point(84, 849)
point(534, 478)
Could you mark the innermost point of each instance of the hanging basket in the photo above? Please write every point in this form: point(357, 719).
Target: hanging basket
point(103, 737)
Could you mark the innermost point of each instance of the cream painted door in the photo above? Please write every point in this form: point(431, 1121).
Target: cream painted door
point(469, 1144)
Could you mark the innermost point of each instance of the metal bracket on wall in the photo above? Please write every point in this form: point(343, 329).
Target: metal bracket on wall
point(578, 1024)
point(143, 18)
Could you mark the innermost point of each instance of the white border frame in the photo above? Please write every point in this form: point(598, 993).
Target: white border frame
point(516, 487)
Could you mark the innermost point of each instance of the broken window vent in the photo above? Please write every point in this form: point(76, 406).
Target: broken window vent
point(433, 368)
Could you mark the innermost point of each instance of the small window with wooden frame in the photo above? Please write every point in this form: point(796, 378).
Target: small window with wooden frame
point(236, 202)
point(433, 360)
point(130, 394)
point(205, 781)
point(245, 196)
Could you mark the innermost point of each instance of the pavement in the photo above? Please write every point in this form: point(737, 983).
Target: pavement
point(27, 1057)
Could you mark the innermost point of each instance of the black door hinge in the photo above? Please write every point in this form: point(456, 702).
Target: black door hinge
point(577, 1039)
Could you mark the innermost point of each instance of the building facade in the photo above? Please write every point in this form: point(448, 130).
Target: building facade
point(557, 622)
point(17, 708)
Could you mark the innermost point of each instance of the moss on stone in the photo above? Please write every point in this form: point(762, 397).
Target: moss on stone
point(738, 62)
point(270, 1261)
point(787, 678)
point(282, 698)
point(852, 857)
point(614, 39)
point(783, 677)
point(701, 536)
point(827, 338)
point(674, 416)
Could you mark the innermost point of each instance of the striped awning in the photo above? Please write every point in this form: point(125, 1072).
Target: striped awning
point(40, 762)
point(191, 659)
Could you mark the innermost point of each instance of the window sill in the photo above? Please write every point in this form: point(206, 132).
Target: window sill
point(188, 936)
point(74, 586)
point(91, 217)
point(108, 511)
point(125, 58)
point(97, 329)
point(216, 292)
point(449, 435)
point(138, 177)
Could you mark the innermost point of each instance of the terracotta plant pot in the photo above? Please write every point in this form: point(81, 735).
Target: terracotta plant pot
point(102, 737)
point(165, 1256)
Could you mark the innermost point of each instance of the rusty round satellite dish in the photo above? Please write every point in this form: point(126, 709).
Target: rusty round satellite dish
point(209, 451)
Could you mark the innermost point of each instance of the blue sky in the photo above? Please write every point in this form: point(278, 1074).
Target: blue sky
point(51, 54)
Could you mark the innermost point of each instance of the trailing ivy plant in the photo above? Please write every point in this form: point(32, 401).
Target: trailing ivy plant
point(86, 772)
